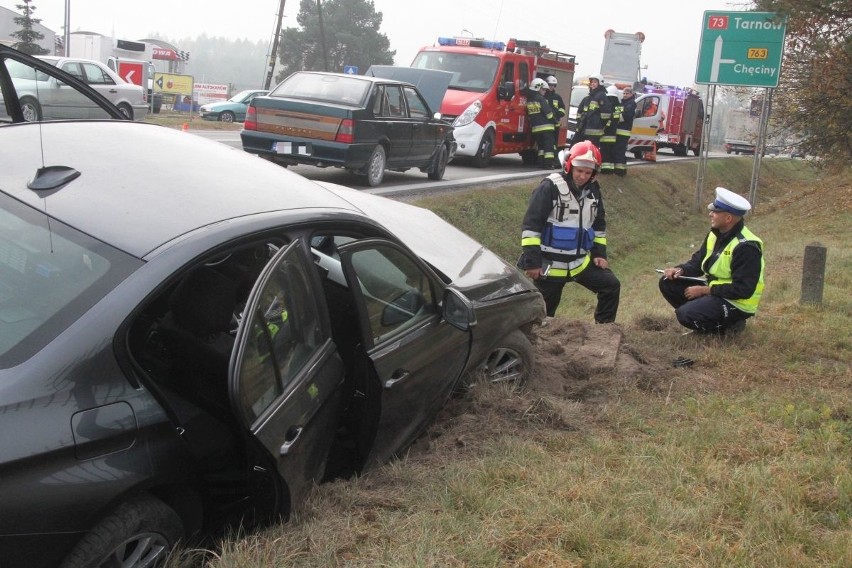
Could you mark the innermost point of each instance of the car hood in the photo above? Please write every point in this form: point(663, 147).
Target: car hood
point(472, 268)
point(431, 83)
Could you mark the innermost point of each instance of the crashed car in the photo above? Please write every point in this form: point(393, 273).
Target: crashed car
point(184, 349)
point(364, 124)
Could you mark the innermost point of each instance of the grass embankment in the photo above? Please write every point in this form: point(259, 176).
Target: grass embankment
point(742, 460)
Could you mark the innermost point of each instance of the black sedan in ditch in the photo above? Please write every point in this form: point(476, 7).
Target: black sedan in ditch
point(364, 124)
point(190, 337)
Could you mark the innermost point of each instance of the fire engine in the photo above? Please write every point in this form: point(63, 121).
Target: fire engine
point(676, 114)
point(486, 98)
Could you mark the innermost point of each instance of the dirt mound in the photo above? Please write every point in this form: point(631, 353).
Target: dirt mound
point(578, 366)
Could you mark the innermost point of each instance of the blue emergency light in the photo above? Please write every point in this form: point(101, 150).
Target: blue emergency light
point(470, 42)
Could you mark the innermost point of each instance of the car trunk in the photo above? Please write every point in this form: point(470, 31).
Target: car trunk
point(300, 119)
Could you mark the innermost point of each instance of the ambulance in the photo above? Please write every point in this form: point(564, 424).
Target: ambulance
point(487, 95)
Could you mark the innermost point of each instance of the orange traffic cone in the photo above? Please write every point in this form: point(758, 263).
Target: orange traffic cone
point(652, 155)
point(185, 127)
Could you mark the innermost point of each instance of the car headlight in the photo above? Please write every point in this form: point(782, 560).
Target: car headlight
point(469, 114)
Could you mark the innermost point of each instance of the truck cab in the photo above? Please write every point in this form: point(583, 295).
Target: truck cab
point(486, 97)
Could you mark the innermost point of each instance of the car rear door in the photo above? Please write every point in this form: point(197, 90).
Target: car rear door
point(285, 377)
point(425, 131)
point(415, 353)
point(394, 124)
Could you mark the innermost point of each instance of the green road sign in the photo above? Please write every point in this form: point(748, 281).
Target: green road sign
point(741, 48)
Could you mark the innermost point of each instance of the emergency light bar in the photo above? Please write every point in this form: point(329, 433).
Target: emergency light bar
point(470, 42)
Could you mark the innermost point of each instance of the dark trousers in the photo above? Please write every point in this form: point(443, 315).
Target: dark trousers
point(546, 143)
point(707, 314)
point(619, 154)
point(602, 282)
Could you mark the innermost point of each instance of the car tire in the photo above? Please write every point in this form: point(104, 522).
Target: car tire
point(143, 528)
point(31, 109)
point(440, 167)
point(483, 154)
point(511, 360)
point(375, 168)
point(227, 116)
point(125, 109)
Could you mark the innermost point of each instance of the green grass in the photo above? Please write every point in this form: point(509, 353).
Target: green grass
point(741, 461)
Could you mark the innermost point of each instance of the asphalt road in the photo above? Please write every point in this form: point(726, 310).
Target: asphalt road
point(502, 168)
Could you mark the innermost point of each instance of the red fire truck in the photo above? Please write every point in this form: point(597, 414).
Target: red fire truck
point(486, 98)
point(679, 115)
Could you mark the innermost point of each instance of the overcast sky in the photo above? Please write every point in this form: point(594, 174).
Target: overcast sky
point(672, 27)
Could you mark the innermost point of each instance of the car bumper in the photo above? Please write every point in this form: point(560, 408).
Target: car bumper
point(468, 139)
point(209, 115)
point(293, 150)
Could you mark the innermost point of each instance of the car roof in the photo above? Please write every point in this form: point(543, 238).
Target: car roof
point(142, 185)
point(350, 76)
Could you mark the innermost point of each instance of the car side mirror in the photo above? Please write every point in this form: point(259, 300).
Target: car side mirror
point(437, 116)
point(506, 91)
point(458, 310)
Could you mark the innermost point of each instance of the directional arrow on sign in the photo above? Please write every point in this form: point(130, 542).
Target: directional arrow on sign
point(129, 76)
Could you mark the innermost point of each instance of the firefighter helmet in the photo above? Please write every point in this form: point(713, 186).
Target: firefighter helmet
point(597, 77)
point(612, 91)
point(538, 84)
point(551, 80)
point(584, 155)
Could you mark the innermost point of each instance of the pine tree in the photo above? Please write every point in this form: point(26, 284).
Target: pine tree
point(27, 35)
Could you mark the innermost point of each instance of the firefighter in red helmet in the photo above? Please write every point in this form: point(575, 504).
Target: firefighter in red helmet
point(564, 234)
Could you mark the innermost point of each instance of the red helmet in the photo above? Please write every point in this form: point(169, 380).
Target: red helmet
point(586, 155)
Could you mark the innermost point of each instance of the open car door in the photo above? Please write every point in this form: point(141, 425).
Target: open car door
point(416, 354)
point(285, 379)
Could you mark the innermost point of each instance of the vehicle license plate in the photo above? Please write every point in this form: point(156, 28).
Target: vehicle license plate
point(301, 149)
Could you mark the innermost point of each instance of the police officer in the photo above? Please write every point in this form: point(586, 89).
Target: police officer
point(622, 133)
point(564, 234)
point(541, 123)
point(594, 112)
point(731, 260)
point(608, 139)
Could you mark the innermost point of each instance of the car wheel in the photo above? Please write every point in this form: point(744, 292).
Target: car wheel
point(227, 116)
point(441, 160)
point(512, 360)
point(126, 110)
point(486, 145)
point(139, 533)
point(375, 169)
point(31, 109)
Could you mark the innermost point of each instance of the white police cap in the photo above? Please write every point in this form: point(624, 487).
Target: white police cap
point(729, 202)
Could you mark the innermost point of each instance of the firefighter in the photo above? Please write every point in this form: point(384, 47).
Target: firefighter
point(595, 113)
point(556, 103)
point(732, 263)
point(622, 133)
point(541, 124)
point(610, 126)
point(564, 234)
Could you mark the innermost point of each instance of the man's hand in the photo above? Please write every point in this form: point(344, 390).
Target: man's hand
point(534, 273)
point(601, 262)
point(696, 292)
point(672, 273)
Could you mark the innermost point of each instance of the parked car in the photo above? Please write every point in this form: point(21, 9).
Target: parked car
point(183, 349)
point(234, 109)
point(363, 124)
point(53, 96)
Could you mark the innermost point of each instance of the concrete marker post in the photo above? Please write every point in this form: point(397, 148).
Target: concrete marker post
point(813, 274)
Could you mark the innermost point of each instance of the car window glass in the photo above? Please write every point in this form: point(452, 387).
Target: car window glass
point(73, 69)
point(44, 97)
point(524, 73)
point(378, 101)
point(416, 107)
point(95, 75)
point(397, 293)
point(49, 275)
point(396, 106)
point(351, 90)
point(283, 331)
point(509, 72)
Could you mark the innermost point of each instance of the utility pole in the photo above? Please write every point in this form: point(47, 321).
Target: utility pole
point(273, 55)
point(322, 37)
point(67, 36)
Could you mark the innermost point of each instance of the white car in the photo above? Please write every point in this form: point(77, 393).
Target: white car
point(46, 97)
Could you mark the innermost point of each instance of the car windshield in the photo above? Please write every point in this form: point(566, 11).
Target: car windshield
point(470, 72)
point(325, 88)
point(49, 275)
point(239, 97)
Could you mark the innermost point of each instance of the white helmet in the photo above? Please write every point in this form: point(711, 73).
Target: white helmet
point(551, 80)
point(612, 91)
point(538, 84)
point(597, 76)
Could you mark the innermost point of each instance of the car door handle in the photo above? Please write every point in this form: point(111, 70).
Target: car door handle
point(398, 375)
point(113, 91)
point(293, 435)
